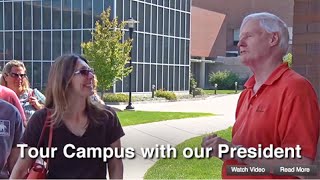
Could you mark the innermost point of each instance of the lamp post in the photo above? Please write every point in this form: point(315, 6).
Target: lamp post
point(236, 86)
point(215, 88)
point(131, 22)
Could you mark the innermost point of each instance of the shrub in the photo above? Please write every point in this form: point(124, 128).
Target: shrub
point(193, 83)
point(224, 79)
point(166, 94)
point(198, 92)
point(116, 98)
point(288, 58)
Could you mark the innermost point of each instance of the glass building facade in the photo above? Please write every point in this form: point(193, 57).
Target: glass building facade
point(38, 31)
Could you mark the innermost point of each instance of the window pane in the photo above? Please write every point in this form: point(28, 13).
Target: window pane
point(147, 21)
point(172, 23)
point(153, 76)
point(165, 78)
point(160, 20)
point(36, 45)
point(154, 19)
point(17, 45)
point(17, 15)
point(56, 14)
point(178, 4)
point(166, 21)
point(126, 7)
point(87, 13)
point(177, 51)
point(147, 74)
point(76, 41)
point(188, 5)
point(177, 24)
point(147, 48)
point(176, 78)
point(46, 68)
point(187, 52)
point(46, 45)
point(56, 44)
point(107, 3)
point(8, 15)
point(134, 10)
point(1, 17)
point(181, 79)
point(86, 36)
point(134, 47)
point(8, 45)
point(140, 47)
point(165, 3)
point(27, 15)
point(76, 14)
point(159, 77)
point(36, 75)
point(153, 49)
point(46, 19)
point(36, 6)
point(27, 46)
point(183, 25)
point(141, 17)
point(119, 86)
point(171, 51)
point(165, 50)
point(66, 14)
point(182, 55)
point(66, 43)
point(188, 25)
point(183, 5)
point(140, 78)
point(159, 58)
point(97, 9)
point(171, 78)
point(172, 3)
point(120, 10)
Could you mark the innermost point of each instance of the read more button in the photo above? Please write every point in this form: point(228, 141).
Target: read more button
point(298, 170)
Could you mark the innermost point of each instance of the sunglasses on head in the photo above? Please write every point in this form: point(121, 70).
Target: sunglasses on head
point(84, 72)
point(15, 75)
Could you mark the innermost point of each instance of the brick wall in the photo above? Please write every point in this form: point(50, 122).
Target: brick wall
point(306, 45)
point(306, 40)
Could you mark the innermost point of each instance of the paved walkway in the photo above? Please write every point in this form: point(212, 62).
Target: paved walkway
point(174, 132)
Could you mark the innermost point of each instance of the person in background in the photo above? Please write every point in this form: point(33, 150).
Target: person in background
point(14, 76)
point(95, 97)
point(76, 120)
point(11, 130)
point(279, 107)
point(11, 97)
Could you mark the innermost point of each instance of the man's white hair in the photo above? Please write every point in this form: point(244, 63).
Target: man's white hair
point(271, 23)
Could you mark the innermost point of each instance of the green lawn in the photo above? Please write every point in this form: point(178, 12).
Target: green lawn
point(211, 91)
point(182, 168)
point(140, 117)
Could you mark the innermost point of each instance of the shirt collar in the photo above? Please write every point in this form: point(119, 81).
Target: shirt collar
point(275, 75)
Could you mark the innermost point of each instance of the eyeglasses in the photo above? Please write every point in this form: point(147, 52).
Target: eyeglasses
point(15, 75)
point(84, 72)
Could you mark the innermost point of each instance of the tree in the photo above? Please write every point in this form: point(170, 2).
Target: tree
point(106, 52)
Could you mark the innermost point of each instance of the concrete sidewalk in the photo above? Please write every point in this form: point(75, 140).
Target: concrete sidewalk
point(174, 132)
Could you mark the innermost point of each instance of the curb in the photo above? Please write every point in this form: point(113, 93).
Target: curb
point(163, 101)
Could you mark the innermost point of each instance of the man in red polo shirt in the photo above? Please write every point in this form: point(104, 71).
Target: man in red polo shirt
point(278, 107)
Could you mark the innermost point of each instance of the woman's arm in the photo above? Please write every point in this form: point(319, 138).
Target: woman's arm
point(20, 169)
point(115, 166)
